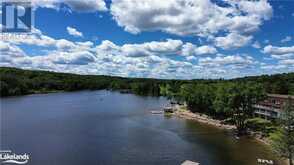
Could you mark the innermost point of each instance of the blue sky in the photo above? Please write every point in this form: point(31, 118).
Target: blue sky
point(185, 39)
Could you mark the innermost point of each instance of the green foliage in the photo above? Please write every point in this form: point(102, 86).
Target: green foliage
point(19, 82)
point(283, 139)
point(199, 97)
point(237, 100)
point(261, 125)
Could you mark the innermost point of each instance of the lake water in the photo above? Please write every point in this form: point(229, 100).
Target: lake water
point(109, 128)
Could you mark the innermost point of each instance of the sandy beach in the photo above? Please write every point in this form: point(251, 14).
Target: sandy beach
point(182, 112)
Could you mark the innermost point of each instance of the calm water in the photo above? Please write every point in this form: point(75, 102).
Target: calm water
point(109, 128)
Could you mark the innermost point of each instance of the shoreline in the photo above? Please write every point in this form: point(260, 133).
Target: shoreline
point(182, 112)
point(202, 118)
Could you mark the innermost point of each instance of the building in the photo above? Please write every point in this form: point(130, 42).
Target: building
point(271, 107)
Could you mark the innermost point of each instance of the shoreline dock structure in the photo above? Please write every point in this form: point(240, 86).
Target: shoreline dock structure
point(188, 162)
point(157, 112)
point(169, 109)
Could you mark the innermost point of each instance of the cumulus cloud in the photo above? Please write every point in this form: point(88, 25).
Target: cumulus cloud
point(157, 59)
point(232, 40)
point(64, 44)
point(194, 17)
point(286, 39)
point(37, 38)
point(145, 49)
point(192, 50)
point(8, 49)
point(75, 5)
point(288, 62)
point(284, 55)
point(158, 48)
point(256, 45)
point(227, 60)
point(74, 32)
point(278, 50)
point(75, 58)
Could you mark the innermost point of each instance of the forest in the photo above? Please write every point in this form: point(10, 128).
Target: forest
point(15, 81)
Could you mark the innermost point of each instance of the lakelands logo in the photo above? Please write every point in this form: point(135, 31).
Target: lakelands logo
point(11, 158)
point(17, 16)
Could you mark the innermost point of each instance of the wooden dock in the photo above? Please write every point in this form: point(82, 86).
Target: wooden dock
point(157, 112)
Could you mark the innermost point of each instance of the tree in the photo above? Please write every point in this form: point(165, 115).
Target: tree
point(237, 100)
point(199, 97)
point(283, 140)
point(221, 100)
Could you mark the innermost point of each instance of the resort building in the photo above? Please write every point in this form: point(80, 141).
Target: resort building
point(271, 107)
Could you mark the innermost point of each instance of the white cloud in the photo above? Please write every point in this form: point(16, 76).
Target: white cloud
point(274, 50)
point(193, 17)
point(8, 49)
point(192, 50)
point(64, 44)
point(232, 40)
point(75, 58)
point(284, 55)
point(75, 5)
point(74, 32)
point(288, 62)
point(256, 45)
point(157, 59)
point(158, 48)
point(226, 60)
point(286, 39)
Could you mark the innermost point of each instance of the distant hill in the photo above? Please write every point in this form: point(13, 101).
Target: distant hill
point(15, 81)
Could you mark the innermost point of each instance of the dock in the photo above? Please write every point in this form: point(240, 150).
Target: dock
point(157, 112)
point(168, 109)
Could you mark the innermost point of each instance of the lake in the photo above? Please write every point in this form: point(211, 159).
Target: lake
point(109, 128)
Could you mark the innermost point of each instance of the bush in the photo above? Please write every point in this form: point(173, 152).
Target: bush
point(259, 124)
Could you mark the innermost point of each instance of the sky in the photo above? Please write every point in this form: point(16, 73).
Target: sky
point(167, 39)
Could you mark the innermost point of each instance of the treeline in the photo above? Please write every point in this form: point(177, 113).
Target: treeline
point(225, 100)
point(20, 82)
